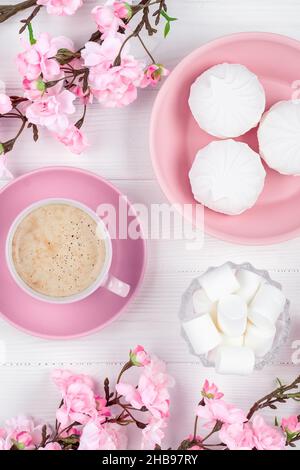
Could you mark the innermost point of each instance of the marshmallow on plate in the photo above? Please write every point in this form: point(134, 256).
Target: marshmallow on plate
point(260, 339)
point(202, 334)
point(232, 315)
point(227, 176)
point(249, 282)
point(279, 137)
point(201, 302)
point(218, 282)
point(227, 100)
point(269, 303)
point(238, 360)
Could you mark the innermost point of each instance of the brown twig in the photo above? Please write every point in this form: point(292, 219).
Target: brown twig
point(157, 13)
point(7, 11)
point(28, 20)
point(9, 144)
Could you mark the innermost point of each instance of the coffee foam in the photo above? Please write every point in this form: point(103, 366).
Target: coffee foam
point(57, 251)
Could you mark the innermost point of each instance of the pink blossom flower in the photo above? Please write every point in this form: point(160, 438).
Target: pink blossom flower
point(51, 446)
point(73, 138)
point(80, 403)
point(23, 433)
point(5, 103)
point(291, 425)
point(97, 436)
point(211, 392)
point(152, 391)
point(153, 434)
point(198, 439)
point(219, 411)
point(122, 10)
point(103, 55)
point(139, 357)
point(113, 86)
point(37, 59)
point(237, 436)
point(61, 7)
point(108, 19)
point(195, 447)
point(34, 89)
point(51, 111)
point(266, 437)
point(85, 97)
point(154, 73)
point(64, 378)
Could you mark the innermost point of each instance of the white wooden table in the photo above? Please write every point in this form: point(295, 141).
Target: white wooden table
point(119, 152)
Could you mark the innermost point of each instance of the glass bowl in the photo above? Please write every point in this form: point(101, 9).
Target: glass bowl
point(282, 325)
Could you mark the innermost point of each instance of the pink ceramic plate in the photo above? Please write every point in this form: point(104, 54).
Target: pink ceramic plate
point(176, 137)
point(91, 314)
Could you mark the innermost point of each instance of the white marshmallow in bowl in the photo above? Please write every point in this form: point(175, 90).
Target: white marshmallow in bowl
point(201, 302)
point(236, 360)
point(249, 284)
point(218, 282)
point(269, 302)
point(260, 339)
point(237, 311)
point(202, 334)
point(232, 315)
point(225, 341)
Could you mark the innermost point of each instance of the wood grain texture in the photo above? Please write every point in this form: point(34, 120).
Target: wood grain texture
point(119, 151)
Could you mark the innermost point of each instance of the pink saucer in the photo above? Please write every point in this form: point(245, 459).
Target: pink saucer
point(176, 137)
point(93, 313)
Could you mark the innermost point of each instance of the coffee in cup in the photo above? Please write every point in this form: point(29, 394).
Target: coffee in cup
point(59, 250)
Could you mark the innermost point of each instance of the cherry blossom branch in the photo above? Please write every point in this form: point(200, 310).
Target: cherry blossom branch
point(279, 395)
point(77, 75)
point(7, 11)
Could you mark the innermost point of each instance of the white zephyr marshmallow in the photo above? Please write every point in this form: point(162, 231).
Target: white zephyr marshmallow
point(227, 176)
point(218, 282)
point(269, 303)
point(249, 283)
point(227, 100)
point(226, 341)
point(202, 304)
point(232, 315)
point(202, 334)
point(260, 339)
point(279, 137)
point(235, 360)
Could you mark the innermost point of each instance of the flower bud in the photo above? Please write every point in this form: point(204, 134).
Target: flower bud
point(64, 56)
point(139, 357)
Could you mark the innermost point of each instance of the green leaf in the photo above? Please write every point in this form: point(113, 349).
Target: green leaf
point(167, 29)
point(279, 382)
point(1, 149)
point(167, 17)
point(276, 422)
